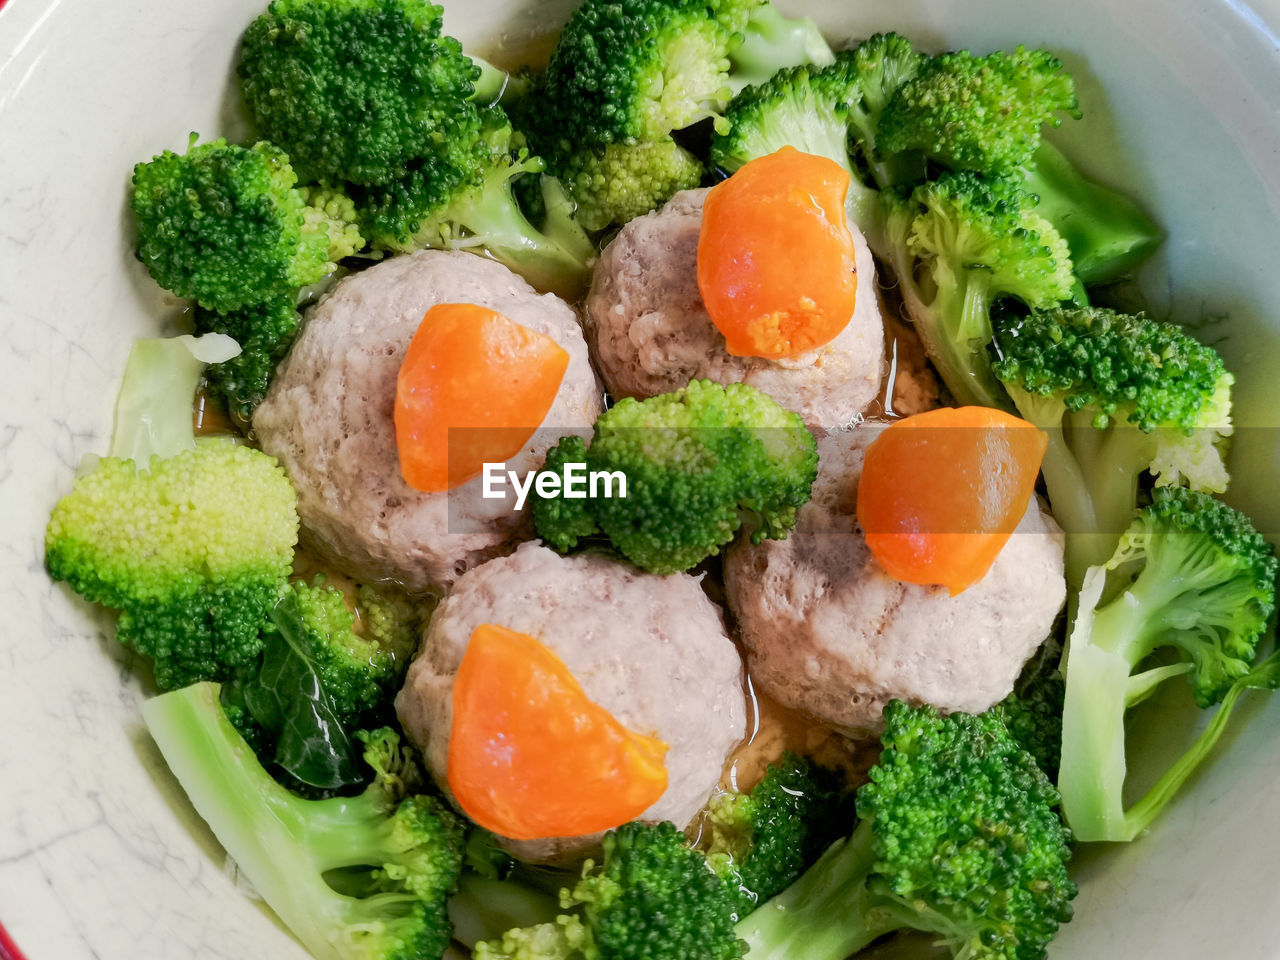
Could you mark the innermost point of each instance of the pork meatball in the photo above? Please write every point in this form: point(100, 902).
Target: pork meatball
point(829, 633)
point(652, 650)
point(650, 333)
point(328, 419)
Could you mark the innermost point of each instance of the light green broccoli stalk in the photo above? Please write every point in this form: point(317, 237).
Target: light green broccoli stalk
point(1191, 579)
point(354, 878)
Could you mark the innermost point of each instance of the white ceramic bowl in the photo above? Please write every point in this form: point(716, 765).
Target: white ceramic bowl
point(100, 856)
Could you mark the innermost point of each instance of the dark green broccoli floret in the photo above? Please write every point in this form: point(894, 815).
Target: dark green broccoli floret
point(761, 841)
point(696, 462)
point(465, 199)
point(1118, 395)
point(825, 111)
point(624, 76)
point(978, 113)
point(1033, 714)
point(354, 90)
point(651, 898)
point(985, 114)
point(363, 877)
point(958, 837)
point(1195, 581)
point(224, 226)
point(957, 244)
point(264, 332)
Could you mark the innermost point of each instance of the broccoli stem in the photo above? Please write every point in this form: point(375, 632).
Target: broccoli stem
point(280, 845)
point(484, 909)
point(559, 264)
point(962, 309)
point(773, 42)
point(828, 913)
point(1108, 233)
point(153, 415)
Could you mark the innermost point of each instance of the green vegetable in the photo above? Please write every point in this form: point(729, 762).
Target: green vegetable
point(1194, 581)
point(355, 90)
point(651, 898)
point(320, 680)
point(697, 462)
point(353, 878)
point(224, 226)
point(264, 331)
point(985, 114)
point(1119, 396)
point(194, 548)
point(958, 838)
point(1033, 713)
point(957, 244)
point(466, 200)
point(625, 76)
point(761, 841)
point(823, 111)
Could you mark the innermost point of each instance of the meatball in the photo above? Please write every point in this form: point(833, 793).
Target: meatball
point(829, 633)
point(650, 333)
point(328, 419)
point(652, 650)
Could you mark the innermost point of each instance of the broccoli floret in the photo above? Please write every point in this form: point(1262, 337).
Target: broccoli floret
point(696, 463)
point(338, 213)
point(958, 244)
point(978, 113)
point(802, 108)
point(264, 331)
point(326, 669)
point(621, 181)
point(224, 226)
point(193, 545)
point(958, 837)
point(985, 114)
point(1193, 580)
point(354, 90)
point(761, 841)
point(1118, 395)
point(651, 898)
point(1033, 714)
point(466, 200)
point(624, 77)
point(395, 858)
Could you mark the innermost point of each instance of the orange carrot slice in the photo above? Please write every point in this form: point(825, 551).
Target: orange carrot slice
point(472, 389)
point(775, 255)
point(531, 756)
point(941, 492)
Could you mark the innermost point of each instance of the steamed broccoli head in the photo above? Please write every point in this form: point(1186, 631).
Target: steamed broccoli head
point(224, 226)
point(697, 462)
point(193, 553)
point(1119, 395)
point(1207, 587)
point(463, 196)
point(651, 897)
point(761, 841)
point(958, 244)
point(354, 90)
point(978, 113)
point(364, 876)
point(264, 331)
point(959, 837)
point(1190, 591)
point(621, 181)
